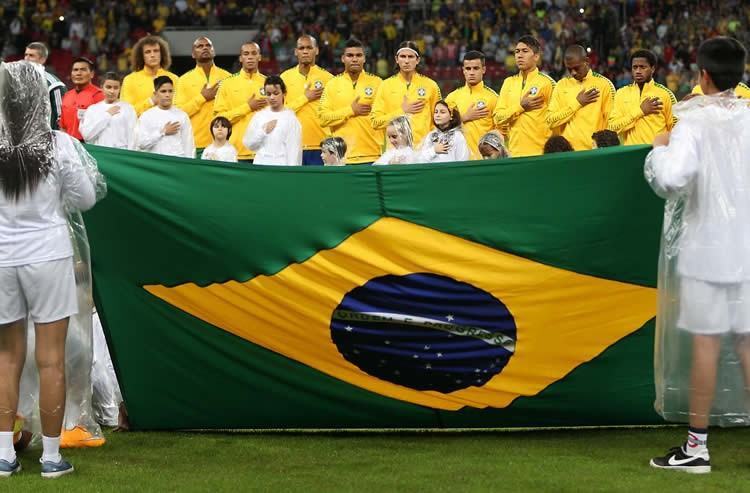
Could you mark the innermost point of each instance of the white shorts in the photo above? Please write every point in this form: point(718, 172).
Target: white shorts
point(45, 291)
point(711, 308)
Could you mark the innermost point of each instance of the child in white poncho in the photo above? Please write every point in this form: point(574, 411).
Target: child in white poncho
point(400, 150)
point(702, 354)
point(111, 122)
point(44, 176)
point(220, 149)
point(275, 133)
point(446, 143)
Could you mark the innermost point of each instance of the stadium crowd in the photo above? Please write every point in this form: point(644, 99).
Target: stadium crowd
point(105, 31)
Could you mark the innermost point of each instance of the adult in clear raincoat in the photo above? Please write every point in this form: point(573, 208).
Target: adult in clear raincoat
point(702, 349)
point(46, 179)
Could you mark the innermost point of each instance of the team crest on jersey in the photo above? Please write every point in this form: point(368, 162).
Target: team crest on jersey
point(368, 91)
point(421, 92)
point(318, 84)
point(534, 91)
point(481, 104)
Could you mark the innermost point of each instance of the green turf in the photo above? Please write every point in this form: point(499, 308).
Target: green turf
point(569, 460)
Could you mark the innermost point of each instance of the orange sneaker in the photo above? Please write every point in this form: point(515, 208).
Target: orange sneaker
point(79, 437)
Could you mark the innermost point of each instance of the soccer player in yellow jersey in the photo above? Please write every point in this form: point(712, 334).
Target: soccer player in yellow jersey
point(240, 96)
point(524, 98)
point(406, 93)
point(642, 109)
point(305, 83)
point(581, 102)
point(196, 90)
point(475, 101)
point(151, 59)
point(346, 104)
point(741, 91)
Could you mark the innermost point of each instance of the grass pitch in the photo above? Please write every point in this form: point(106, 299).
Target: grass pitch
point(567, 460)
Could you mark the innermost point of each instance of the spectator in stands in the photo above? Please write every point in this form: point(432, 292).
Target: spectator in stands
point(305, 83)
point(381, 67)
point(557, 143)
point(197, 89)
point(406, 93)
point(580, 103)
point(275, 133)
point(151, 59)
point(671, 32)
point(346, 104)
point(37, 52)
point(111, 122)
point(524, 100)
point(643, 109)
point(83, 95)
point(605, 138)
point(220, 149)
point(446, 142)
point(474, 101)
point(241, 96)
point(165, 129)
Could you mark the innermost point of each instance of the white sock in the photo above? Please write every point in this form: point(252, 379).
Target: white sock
point(7, 452)
point(51, 449)
point(697, 442)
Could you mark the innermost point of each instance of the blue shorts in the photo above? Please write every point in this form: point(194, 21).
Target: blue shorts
point(311, 157)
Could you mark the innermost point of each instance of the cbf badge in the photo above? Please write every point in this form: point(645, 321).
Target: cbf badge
point(481, 104)
point(421, 92)
point(534, 91)
point(368, 91)
point(318, 84)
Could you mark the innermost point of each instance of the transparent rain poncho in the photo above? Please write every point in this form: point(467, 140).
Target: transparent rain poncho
point(404, 153)
point(704, 263)
point(494, 140)
point(336, 146)
point(49, 158)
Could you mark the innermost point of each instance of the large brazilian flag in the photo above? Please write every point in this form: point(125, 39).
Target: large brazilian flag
point(505, 294)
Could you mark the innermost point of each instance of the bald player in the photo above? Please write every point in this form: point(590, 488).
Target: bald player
point(581, 102)
point(240, 96)
point(196, 90)
point(304, 84)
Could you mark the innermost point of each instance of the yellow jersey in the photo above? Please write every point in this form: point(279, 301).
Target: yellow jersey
point(138, 88)
point(189, 99)
point(363, 143)
point(628, 120)
point(480, 96)
point(231, 103)
point(306, 110)
point(527, 130)
point(742, 91)
point(388, 99)
point(577, 123)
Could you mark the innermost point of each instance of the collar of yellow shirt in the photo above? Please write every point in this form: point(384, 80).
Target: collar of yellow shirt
point(254, 76)
point(476, 88)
